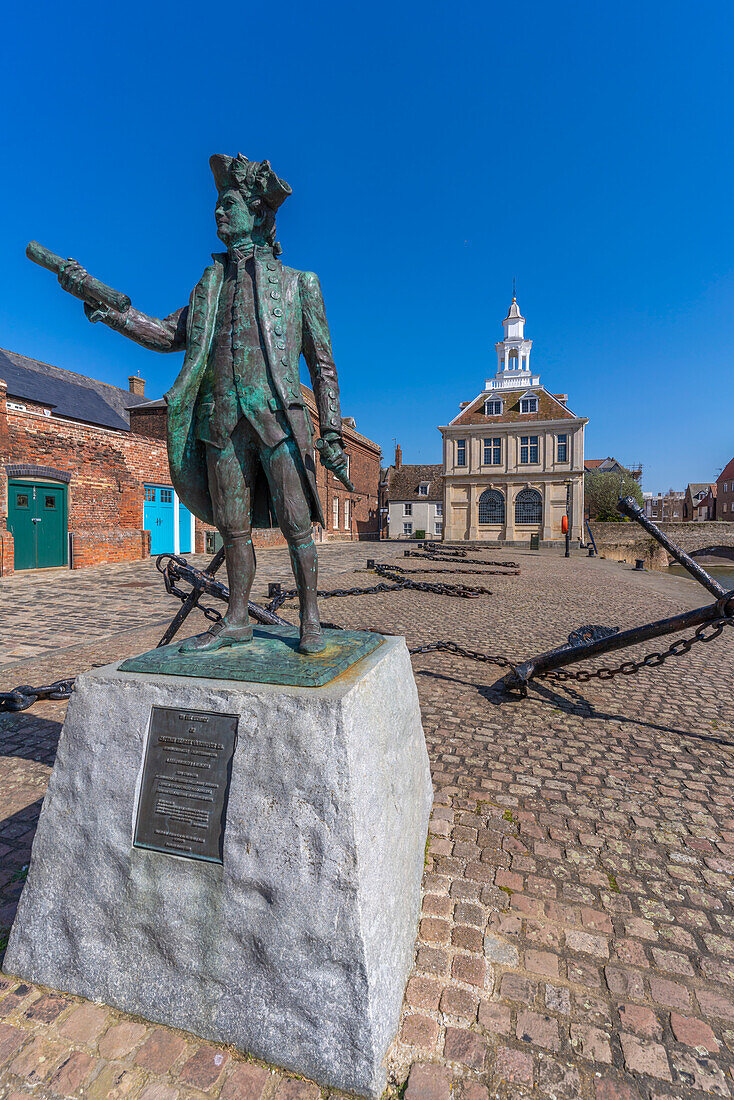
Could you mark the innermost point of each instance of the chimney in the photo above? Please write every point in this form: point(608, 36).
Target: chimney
point(137, 385)
point(398, 456)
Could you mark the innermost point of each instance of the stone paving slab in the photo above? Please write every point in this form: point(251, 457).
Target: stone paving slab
point(577, 937)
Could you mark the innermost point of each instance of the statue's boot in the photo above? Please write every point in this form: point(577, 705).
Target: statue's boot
point(234, 629)
point(305, 571)
point(218, 636)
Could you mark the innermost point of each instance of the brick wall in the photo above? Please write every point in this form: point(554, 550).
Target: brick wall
point(107, 470)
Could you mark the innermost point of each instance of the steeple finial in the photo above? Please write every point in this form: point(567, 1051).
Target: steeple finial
point(514, 297)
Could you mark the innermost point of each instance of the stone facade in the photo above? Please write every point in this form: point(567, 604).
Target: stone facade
point(106, 464)
point(511, 454)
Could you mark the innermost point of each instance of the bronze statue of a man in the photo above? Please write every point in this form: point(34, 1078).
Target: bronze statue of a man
point(240, 446)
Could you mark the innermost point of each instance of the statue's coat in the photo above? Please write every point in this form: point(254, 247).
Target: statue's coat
point(297, 295)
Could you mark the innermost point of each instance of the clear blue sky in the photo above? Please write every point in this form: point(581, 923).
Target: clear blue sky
point(434, 150)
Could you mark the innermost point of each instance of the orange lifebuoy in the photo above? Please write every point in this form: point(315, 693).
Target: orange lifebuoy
point(564, 524)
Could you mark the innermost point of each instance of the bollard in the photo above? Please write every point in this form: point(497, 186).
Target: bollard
point(639, 563)
point(370, 563)
point(273, 589)
point(406, 553)
point(592, 552)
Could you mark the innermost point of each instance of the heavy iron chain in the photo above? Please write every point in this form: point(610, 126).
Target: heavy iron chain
point(463, 572)
point(707, 632)
point(460, 651)
point(445, 556)
point(23, 697)
point(399, 583)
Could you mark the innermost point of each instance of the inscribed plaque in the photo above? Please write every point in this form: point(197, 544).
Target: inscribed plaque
point(185, 785)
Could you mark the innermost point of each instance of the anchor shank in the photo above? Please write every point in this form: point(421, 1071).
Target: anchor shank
point(628, 506)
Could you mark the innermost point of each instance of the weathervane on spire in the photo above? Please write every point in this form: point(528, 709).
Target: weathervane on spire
point(514, 296)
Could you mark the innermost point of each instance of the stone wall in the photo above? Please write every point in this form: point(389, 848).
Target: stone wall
point(628, 541)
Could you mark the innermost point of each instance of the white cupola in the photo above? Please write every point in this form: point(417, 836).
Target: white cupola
point(513, 354)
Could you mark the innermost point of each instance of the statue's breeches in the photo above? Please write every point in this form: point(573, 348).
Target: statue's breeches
point(234, 469)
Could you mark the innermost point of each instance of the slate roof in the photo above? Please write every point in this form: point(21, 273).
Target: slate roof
point(403, 483)
point(66, 393)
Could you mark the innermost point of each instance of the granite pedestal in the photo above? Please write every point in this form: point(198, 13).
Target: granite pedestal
point(297, 946)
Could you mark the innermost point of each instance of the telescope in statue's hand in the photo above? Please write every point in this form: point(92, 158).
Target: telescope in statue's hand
point(80, 283)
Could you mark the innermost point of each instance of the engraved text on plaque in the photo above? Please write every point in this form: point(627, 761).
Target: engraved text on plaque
point(185, 784)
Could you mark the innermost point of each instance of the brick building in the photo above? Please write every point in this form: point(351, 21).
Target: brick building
point(664, 507)
point(512, 454)
point(725, 493)
point(694, 494)
point(87, 480)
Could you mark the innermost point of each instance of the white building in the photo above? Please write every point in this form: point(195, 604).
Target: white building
point(414, 500)
point(513, 453)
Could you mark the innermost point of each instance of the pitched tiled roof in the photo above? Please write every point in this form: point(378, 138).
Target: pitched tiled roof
point(548, 407)
point(403, 483)
point(727, 474)
point(66, 393)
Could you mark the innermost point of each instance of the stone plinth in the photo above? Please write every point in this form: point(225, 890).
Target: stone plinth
point(296, 948)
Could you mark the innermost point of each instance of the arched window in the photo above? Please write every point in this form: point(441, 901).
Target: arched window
point(491, 507)
point(528, 506)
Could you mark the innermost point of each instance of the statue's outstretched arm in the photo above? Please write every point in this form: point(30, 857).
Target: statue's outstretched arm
point(157, 334)
point(167, 334)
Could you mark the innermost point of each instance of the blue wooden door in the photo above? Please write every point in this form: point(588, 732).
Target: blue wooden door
point(158, 517)
point(184, 529)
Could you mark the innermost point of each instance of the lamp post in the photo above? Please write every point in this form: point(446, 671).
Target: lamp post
point(569, 510)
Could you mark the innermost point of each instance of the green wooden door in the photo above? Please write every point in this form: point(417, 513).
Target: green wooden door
point(37, 519)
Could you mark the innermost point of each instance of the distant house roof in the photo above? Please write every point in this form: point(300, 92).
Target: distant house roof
point(67, 394)
point(695, 487)
point(727, 473)
point(403, 483)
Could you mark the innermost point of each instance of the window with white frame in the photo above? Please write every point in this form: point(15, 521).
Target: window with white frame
point(562, 443)
point(529, 405)
point(439, 508)
point(461, 452)
point(346, 515)
point(423, 489)
point(335, 513)
point(407, 528)
point(493, 451)
point(407, 509)
point(493, 407)
point(438, 527)
point(528, 450)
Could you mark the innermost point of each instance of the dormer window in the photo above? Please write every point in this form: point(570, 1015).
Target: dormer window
point(423, 489)
point(529, 405)
point(493, 408)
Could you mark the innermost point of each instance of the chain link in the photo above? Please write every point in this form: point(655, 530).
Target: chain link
point(23, 697)
point(707, 632)
point(446, 557)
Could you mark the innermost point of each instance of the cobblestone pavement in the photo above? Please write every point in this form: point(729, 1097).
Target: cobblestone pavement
point(577, 935)
point(43, 611)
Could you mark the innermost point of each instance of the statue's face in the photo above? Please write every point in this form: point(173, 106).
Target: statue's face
point(234, 216)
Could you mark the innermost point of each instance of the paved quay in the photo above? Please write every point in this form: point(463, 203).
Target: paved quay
point(577, 936)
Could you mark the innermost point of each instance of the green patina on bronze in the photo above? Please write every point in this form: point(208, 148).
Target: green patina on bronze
point(271, 657)
point(240, 446)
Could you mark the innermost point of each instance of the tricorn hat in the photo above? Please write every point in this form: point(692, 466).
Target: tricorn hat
point(252, 177)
